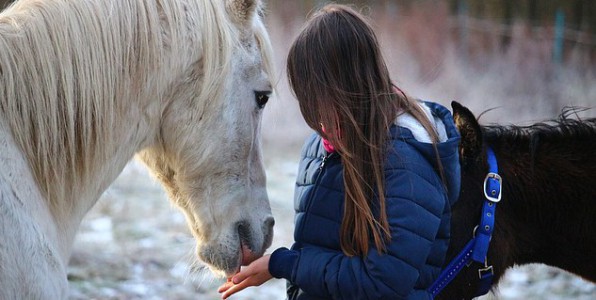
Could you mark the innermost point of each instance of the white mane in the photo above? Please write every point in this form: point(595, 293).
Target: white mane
point(70, 70)
point(85, 85)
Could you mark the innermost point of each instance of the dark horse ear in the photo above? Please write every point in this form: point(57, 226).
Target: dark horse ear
point(470, 146)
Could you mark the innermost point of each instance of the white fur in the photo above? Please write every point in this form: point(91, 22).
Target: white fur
point(87, 84)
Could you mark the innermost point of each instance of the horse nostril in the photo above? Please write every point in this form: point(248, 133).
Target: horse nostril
point(269, 222)
point(243, 229)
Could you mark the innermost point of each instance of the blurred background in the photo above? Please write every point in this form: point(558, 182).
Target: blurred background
point(527, 59)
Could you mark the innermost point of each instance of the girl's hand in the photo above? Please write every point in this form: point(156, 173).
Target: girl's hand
point(254, 274)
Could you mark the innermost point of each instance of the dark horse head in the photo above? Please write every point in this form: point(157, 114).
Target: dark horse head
point(548, 209)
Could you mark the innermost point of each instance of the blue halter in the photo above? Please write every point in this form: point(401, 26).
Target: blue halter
point(477, 248)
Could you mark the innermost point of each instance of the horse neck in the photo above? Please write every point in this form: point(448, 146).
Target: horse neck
point(547, 208)
point(77, 117)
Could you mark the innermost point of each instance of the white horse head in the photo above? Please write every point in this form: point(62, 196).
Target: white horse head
point(209, 155)
point(85, 85)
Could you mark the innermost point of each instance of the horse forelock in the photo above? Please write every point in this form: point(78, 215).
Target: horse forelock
point(265, 47)
point(71, 71)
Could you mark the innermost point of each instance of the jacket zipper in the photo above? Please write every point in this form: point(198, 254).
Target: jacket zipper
point(316, 187)
point(316, 182)
point(325, 158)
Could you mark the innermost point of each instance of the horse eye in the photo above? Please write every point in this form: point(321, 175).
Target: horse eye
point(262, 97)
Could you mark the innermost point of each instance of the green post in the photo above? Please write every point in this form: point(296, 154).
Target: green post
point(559, 36)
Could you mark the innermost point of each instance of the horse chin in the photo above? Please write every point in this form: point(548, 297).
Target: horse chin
point(220, 260)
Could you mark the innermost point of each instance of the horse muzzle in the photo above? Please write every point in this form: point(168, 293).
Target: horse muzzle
point(244, 244)
point(251, 246)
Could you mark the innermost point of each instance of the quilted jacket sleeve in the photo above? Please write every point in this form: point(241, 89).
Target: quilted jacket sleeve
point(415, 203)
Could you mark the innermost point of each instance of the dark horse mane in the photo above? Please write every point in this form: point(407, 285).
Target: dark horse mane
point(561, 131)
point(548, 207)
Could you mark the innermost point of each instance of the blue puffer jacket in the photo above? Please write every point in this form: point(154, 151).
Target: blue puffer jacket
point(418, 207)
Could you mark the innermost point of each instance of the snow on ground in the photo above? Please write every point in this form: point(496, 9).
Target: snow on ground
point(135, 245)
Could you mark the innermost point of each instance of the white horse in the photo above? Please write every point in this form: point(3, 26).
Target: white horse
point(87, 84)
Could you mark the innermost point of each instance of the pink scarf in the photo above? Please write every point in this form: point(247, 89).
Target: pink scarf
point(328, 147)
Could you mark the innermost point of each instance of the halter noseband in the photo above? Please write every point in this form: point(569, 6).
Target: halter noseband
point(477, 248)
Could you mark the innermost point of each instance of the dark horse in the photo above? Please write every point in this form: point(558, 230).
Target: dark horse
point(548, 209)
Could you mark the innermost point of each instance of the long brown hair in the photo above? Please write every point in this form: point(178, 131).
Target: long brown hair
point(337, 73)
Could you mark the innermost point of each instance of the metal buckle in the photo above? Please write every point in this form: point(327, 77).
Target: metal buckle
point(487, 269)
point(483, 271)
point(492, 198)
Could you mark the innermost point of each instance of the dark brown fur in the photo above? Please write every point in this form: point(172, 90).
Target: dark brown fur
point(548, 209)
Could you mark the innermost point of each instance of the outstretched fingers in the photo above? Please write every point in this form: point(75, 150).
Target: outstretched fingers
point(237, 283)
point(226, 286)
point(228, 290)
point(254, 274)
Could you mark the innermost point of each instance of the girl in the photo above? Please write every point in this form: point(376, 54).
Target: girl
point(376, 182)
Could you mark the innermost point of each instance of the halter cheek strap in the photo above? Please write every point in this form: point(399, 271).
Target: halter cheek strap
point(477, 248)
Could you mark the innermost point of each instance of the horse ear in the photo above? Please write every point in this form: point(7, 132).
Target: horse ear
point(242, 11)
point(471, 134)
